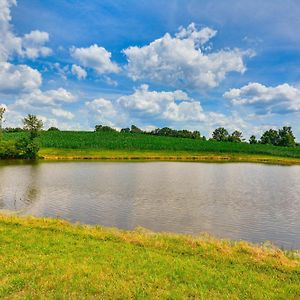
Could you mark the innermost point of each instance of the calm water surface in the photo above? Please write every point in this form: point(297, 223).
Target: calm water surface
point(253, 202)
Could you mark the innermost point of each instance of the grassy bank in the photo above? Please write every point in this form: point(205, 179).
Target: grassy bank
point(83, 154)
point(44, 258)
point(107, 145)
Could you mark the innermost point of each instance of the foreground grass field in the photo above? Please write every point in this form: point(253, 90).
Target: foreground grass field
point(45, 258)
point(70, 144)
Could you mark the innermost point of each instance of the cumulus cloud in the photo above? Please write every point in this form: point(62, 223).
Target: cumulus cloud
point(18, 78)
point(101, 111)
point(181, 61)
point(9, 43)
point(280, 99)
point(200, 37)
point(95, 57)
point(176, 106)
point(102, 107)
point(39, 99)
point(61, 113)
point(79, 72)
point(31, 45)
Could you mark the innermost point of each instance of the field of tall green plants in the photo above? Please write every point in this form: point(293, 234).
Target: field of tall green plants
point(141, 142)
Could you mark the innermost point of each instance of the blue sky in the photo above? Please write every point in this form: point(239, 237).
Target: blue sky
point(184, 64)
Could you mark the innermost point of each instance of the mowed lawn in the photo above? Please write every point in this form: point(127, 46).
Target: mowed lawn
point(51, 259)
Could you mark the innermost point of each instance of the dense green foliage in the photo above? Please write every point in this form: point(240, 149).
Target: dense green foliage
point(165, 131)
point(53, 129)
point(221, 135)
point(253, 140)
point(51, 259)
point(27, 145)
point(176, 133)
point(282, 137)
point(102, 128)
point(131, 142)
point(33, 125)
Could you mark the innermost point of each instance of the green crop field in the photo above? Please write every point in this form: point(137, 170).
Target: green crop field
point(143, 142)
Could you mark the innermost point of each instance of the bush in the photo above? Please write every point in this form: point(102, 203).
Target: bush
point(8, 150)
point(101, 128)
point(53, 129)
point(28, 148)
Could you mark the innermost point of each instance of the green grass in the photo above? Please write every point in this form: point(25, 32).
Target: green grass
point(141, 142)
point(51, 259)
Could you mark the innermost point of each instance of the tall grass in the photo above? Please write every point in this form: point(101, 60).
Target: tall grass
point(128, 141)
point(51, 259)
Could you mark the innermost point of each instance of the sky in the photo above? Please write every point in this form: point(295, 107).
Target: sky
point(189, 64)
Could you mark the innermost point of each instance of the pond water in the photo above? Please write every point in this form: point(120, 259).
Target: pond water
point(253, 202)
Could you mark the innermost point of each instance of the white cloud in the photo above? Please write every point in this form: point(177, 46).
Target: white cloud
point(184, 111)
point(176, 106)
point(280, 99)
point(101, 106)
point(101, 111)
point(180, 61)
point(9, 43)
point(95, 57)
point(200, 37)
point(79, 72)
point(31, 45)
point(18, 78)
point(59, 112)
point(39, 99)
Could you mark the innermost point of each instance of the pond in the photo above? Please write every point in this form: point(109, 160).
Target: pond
point(253, 202)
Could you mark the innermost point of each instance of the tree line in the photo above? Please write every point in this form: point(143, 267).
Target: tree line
point(282, 137)
point(165, 131)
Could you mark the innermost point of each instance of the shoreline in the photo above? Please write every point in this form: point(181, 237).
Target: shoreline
point(16, 216)
point(52, 154)
point(44, 257)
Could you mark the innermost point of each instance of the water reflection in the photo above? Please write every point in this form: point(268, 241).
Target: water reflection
point(19, 186)
point(237, 201)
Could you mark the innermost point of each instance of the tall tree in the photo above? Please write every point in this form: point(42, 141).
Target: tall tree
point(220, 134)
point(30, 147)
point(270, 136)
point(286, 137)
point(236, 137)
point(33, 125)
point(253, 139)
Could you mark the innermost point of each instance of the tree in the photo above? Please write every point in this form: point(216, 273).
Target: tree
point(286, 137)
point(104, 128)
point(235, 137)
point(30, 147)
point(135, 129)
point(253, 139)
point(33, 125)
point(270, 136)
point(53, 129)
point(2, 111)
point(220, 134)
point(125, 130)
